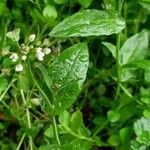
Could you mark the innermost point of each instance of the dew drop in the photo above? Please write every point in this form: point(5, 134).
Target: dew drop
point(59, 104)
point(83, 58)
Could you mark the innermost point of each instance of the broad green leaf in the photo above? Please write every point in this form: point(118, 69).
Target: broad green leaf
point(89, 23)
point(14, 35)
point(135, 48)
point(50, 12)
point(3, 84)
point(111, 48)
point(85, 3)
point(68, 73)
point(142, 131)
point(76, 121)
point(113, 116)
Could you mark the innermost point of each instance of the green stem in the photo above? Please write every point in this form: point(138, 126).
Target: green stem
point(118, 54)
point(21, 140)
point(4, 93)
point(28, 119)
point(137, 21)
point(55, 130)
point(48, 102)
point(118, 66)
point(100, 128)
point(125, 17)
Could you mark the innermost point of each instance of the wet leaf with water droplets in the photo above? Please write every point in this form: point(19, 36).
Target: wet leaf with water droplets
point(69, 71)
point(89, 23)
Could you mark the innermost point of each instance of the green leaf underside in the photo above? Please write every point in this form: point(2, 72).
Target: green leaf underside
point(68, 73)
point(89, 23)
point(132, 55)
point(142, 130)
point(135, 48)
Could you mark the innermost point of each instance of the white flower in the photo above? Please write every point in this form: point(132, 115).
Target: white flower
point(31, 37)
point(47, 51)
point(14, 57)
point(19, 68)
point(38, 50)
point(39, 54)
point(40, 58)
point(24, 57)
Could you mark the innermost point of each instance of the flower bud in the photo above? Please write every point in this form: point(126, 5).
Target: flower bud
point(47, 51)
point(35, 101)
point(31, 37)
point(24, 57)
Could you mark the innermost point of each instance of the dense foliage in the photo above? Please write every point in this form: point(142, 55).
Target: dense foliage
point(74, 75)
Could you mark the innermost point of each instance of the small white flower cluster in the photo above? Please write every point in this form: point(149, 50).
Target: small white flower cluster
point(41, 51)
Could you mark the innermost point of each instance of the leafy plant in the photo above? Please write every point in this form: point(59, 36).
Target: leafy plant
point(74, 75)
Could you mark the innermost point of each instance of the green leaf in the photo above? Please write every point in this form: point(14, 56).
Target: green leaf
point(145, 95)
point(76, 121)
point(68, 73)
point(146, 113)
point(125, 134)
point(147, 75)
point(145, 4)
point(142, 131)
point(144, 64)
point(3, 84)
point(111, 48)
point(89, 23)
point(52, 147)
point(113, 116)
point(137, 146)
point(85, 3)
point(50, 12)
point(50, 132)
point(64, 118)
point(135, 48)
point(60, 1)
point(46, 77)
point(14, 35)
point(114, 140)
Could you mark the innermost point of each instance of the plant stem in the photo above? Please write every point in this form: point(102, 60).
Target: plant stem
point(118, 54)
point(21, 140)
point(4, 93)
point(100, 128)
point(55, 130)
point(28, 119)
